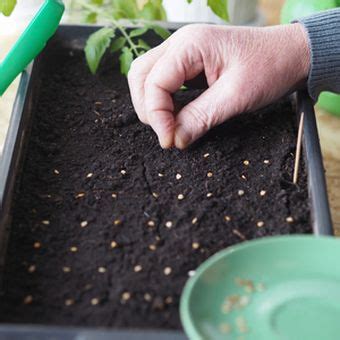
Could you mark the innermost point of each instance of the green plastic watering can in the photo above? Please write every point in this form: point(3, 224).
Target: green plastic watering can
point(31, 42)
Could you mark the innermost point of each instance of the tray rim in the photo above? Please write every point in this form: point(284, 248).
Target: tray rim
point(319, 206)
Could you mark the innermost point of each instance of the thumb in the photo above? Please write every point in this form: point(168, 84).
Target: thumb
point(211, 108)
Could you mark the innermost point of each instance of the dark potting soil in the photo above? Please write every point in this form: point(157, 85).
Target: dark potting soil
point(107, 226)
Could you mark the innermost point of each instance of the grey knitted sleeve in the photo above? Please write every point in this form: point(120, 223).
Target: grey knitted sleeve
point(324, 39)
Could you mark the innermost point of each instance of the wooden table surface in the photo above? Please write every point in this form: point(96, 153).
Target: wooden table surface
point(329, 131)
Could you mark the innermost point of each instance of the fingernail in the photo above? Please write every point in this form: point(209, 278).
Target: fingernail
point(166, 142)
point(182, 139)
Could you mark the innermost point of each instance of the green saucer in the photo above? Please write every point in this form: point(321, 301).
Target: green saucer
point(274, 288)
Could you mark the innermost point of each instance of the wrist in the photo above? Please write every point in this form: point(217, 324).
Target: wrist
point(301, 55)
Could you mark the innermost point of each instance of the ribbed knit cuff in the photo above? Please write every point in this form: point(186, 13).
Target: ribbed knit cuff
point(324, 40)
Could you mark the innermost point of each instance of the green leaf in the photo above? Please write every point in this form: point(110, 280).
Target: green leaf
point(143, 44)
point(96, 46)
point(161, 31)
point(91, 18)
point(153, 10)
point(7, 6)
point(97, 2)
point(220, 8)
point(125, 59)
point(189, 1)
point(125, 9)
point(118, 44)
point(138, 32)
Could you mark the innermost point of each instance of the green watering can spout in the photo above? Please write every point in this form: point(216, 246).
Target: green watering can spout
point(31, 42)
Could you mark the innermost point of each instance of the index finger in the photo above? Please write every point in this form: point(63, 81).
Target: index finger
point(139, 70)
point(166, 77)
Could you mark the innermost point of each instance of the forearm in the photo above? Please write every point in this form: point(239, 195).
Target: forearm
point(323, 31)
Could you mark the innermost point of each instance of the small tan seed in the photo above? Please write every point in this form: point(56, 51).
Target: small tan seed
point(66, 269)
point(260, 224)
point(168, 224)
point(152, 247)
point(45, 222)
point(56, 171)
point(206, 155)
point(240, 192)
point(138, 268)
point(154, 194)
point(169, 300)
point(37, 245)
point(32, 268)
point(28, 299)
point(151, 223)
point(101, 270)
point(244, 177)
point(246, 162)
point(88, 286)
point(80, 194)
point(73, 249)
point(94, 301)
point(227, 218)
point(69, 302)
point(89, 175)
point(263, 192)
point(114, 244)
point(191, 273)
point(194, 220)
point(225, 328)
point(126, 296)
point(83, 224)
point(241, 324)
point(167, 270)
point(147, 297)
point(114, 195)
point(289, 219)
point(195, 245)
point(239, 234)
point(160, 175)
point(266, 161)
point(178, 176)
point(209, 174)
point(117, 222)
point(123, 172)
point(180, 197)
point(209, 194)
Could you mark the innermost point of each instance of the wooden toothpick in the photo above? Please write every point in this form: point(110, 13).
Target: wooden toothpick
point(298, 149)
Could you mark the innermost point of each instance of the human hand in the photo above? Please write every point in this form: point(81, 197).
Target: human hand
point(246, 68)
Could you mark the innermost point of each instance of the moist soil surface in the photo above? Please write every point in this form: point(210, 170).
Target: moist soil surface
point(107, 226)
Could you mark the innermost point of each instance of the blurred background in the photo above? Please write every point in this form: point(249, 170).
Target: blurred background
point(241, 12)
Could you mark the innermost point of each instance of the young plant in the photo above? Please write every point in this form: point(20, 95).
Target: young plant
point(7, 6)
point(130, 45)
point(115, 36)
